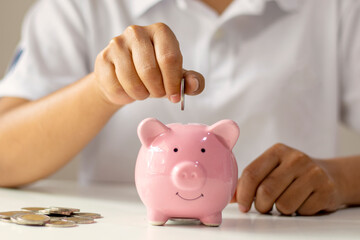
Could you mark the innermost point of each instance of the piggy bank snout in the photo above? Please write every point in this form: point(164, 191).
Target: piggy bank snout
point(188, 176)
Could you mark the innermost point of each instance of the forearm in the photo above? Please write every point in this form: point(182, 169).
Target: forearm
point(346, 173)
point(39, 137)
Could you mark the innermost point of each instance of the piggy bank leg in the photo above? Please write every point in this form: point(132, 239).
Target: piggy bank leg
point(212, 220)
point(156, 218)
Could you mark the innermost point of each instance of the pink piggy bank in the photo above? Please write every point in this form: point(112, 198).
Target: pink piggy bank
point(186, 171)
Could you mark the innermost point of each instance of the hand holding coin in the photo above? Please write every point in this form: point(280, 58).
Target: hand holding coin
point(143, 62)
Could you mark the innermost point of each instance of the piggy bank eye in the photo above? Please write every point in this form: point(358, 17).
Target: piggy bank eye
point(176, 150)
point(203, 150)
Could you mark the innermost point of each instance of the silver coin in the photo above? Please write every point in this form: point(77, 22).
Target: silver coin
point(89, 215)
point(182, 100)
point(66, 209)
point(34, 209)
point(63, 210)
point(185, 221)
point(13, 218)
point(6, 220)
point(56, 218)
point(31, 219)
point(80, 220)
point(61, 223)
point(7, 215)
point(45, 211)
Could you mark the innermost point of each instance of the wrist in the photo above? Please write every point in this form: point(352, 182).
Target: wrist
point(335, 169)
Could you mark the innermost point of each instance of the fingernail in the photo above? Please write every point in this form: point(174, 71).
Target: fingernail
point(175, 98)
point(242, 208)
point(195, 82)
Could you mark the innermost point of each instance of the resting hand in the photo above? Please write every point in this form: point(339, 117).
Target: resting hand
point(291, 180)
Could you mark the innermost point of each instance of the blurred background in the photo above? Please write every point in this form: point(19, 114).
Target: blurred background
point(12, 13)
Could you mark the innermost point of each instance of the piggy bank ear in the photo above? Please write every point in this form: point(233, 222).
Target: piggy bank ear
point(149, 129)
point(227, 132)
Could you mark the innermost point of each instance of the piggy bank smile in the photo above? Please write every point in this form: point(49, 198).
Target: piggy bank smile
point(189, 199)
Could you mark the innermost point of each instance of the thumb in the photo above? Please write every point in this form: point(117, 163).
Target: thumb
point(194, 82)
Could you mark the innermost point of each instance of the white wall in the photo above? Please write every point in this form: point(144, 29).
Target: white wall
point(11, 15)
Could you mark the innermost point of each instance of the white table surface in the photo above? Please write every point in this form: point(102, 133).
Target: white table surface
point(125, 217)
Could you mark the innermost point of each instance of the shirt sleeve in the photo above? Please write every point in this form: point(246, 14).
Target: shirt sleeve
point(349, 62)
point(52, 51)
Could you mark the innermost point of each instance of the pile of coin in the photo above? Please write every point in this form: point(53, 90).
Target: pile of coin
point(49, 217)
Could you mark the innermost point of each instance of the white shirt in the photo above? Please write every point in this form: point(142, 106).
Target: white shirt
point(286, 71)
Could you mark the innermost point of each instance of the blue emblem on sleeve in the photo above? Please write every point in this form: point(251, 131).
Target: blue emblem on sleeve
point(16, 59)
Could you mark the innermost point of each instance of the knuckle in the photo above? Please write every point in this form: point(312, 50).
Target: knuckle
point(142, 96)
point(103, 55)
point(138, 92)
point(250, 175)
point(278, 149)
point(170, 58)
point(113, 42)
point(265, 191)
point(158, 93)
point(134, 31)
point(297, 159)
point(152, 76)
point(261, 208)
point(316, 170)
point(300, 156)
point(284, 207)
point(117, 42)
point(331, 186)
point(279, 146)
point(160, 26)
point(150, 70)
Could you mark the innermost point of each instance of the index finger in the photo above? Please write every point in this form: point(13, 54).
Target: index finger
point(169, 58)
point(254, 174)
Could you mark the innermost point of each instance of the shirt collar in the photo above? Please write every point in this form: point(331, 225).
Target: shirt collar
point(139, 7)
